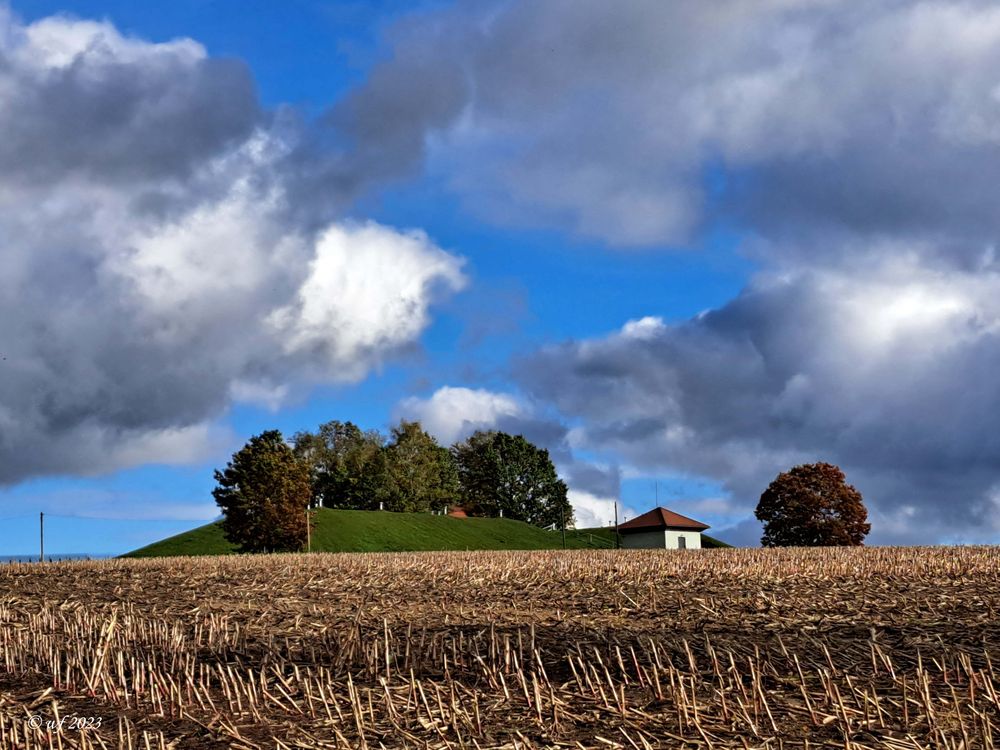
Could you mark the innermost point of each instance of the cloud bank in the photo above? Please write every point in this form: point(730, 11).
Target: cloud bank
point(168, 246)
point(154, 263)
point(887, 376)
point(853, 147)
point(635, 122)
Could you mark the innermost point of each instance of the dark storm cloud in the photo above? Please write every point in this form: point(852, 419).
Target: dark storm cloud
point(887, 375)
point(854, 145)
point(606, 119)
point(743, 534)
point(103, 117)
point(596, 480)
point(158, 229)
point(151, 272)
point(384, 125)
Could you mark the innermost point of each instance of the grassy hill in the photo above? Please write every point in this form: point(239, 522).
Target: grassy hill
point(709, 542)
point(205, 540)
point(371, 531)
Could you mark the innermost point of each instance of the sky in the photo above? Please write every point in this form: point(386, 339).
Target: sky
point(683, 246)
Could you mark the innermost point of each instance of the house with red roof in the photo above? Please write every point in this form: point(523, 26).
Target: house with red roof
point(662, 529)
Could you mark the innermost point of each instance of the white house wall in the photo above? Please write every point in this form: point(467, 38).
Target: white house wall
point(693, 539)
point(663, 539)
point(644, 540)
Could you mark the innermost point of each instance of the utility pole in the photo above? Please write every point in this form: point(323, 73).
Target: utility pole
point(41, 537)
point(563, 513)
point(308, 531)
point(616, 524)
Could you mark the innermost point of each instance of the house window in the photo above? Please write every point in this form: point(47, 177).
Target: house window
point(681, 543)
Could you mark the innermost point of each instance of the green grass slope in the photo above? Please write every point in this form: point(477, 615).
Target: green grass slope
point(367, 531)
point(373, 531)
point(708, 542)
point(205, 540)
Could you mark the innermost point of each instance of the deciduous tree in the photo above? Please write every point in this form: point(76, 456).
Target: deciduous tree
point(420, 474)
point(348, 465)
point(264, 493)
point(812, 506)
point(506, 472)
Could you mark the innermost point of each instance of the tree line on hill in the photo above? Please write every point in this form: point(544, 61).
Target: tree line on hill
point(266, 488)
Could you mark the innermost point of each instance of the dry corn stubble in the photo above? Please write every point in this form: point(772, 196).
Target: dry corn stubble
point(846, 648)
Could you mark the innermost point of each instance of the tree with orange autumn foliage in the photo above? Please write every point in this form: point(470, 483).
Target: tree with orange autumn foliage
point(812, 506)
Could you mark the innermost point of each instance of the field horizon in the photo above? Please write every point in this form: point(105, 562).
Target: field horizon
point(387, 531)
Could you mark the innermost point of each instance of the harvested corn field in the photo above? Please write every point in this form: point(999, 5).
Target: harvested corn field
point(862, 648)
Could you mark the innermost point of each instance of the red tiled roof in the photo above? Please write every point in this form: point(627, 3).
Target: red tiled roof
point(661, 518)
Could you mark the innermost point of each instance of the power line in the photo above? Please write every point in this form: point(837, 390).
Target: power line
point(110, 518)
point(129, 518)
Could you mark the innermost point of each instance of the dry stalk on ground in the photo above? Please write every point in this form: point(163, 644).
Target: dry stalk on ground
point(845, 648)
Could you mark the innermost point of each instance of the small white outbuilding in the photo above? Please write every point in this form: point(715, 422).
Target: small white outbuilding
point(662, 529)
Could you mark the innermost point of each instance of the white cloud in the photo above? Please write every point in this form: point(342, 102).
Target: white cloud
point(271, 397)
point(172, 445)
point(454, 413)
point(643, 328)
point(609, 120)
point(367, 292)
point(154, 265)
point(594, 511)
point(58, 42)
point(885, 371)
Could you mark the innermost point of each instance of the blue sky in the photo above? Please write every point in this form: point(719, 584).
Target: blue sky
point(633, 248)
